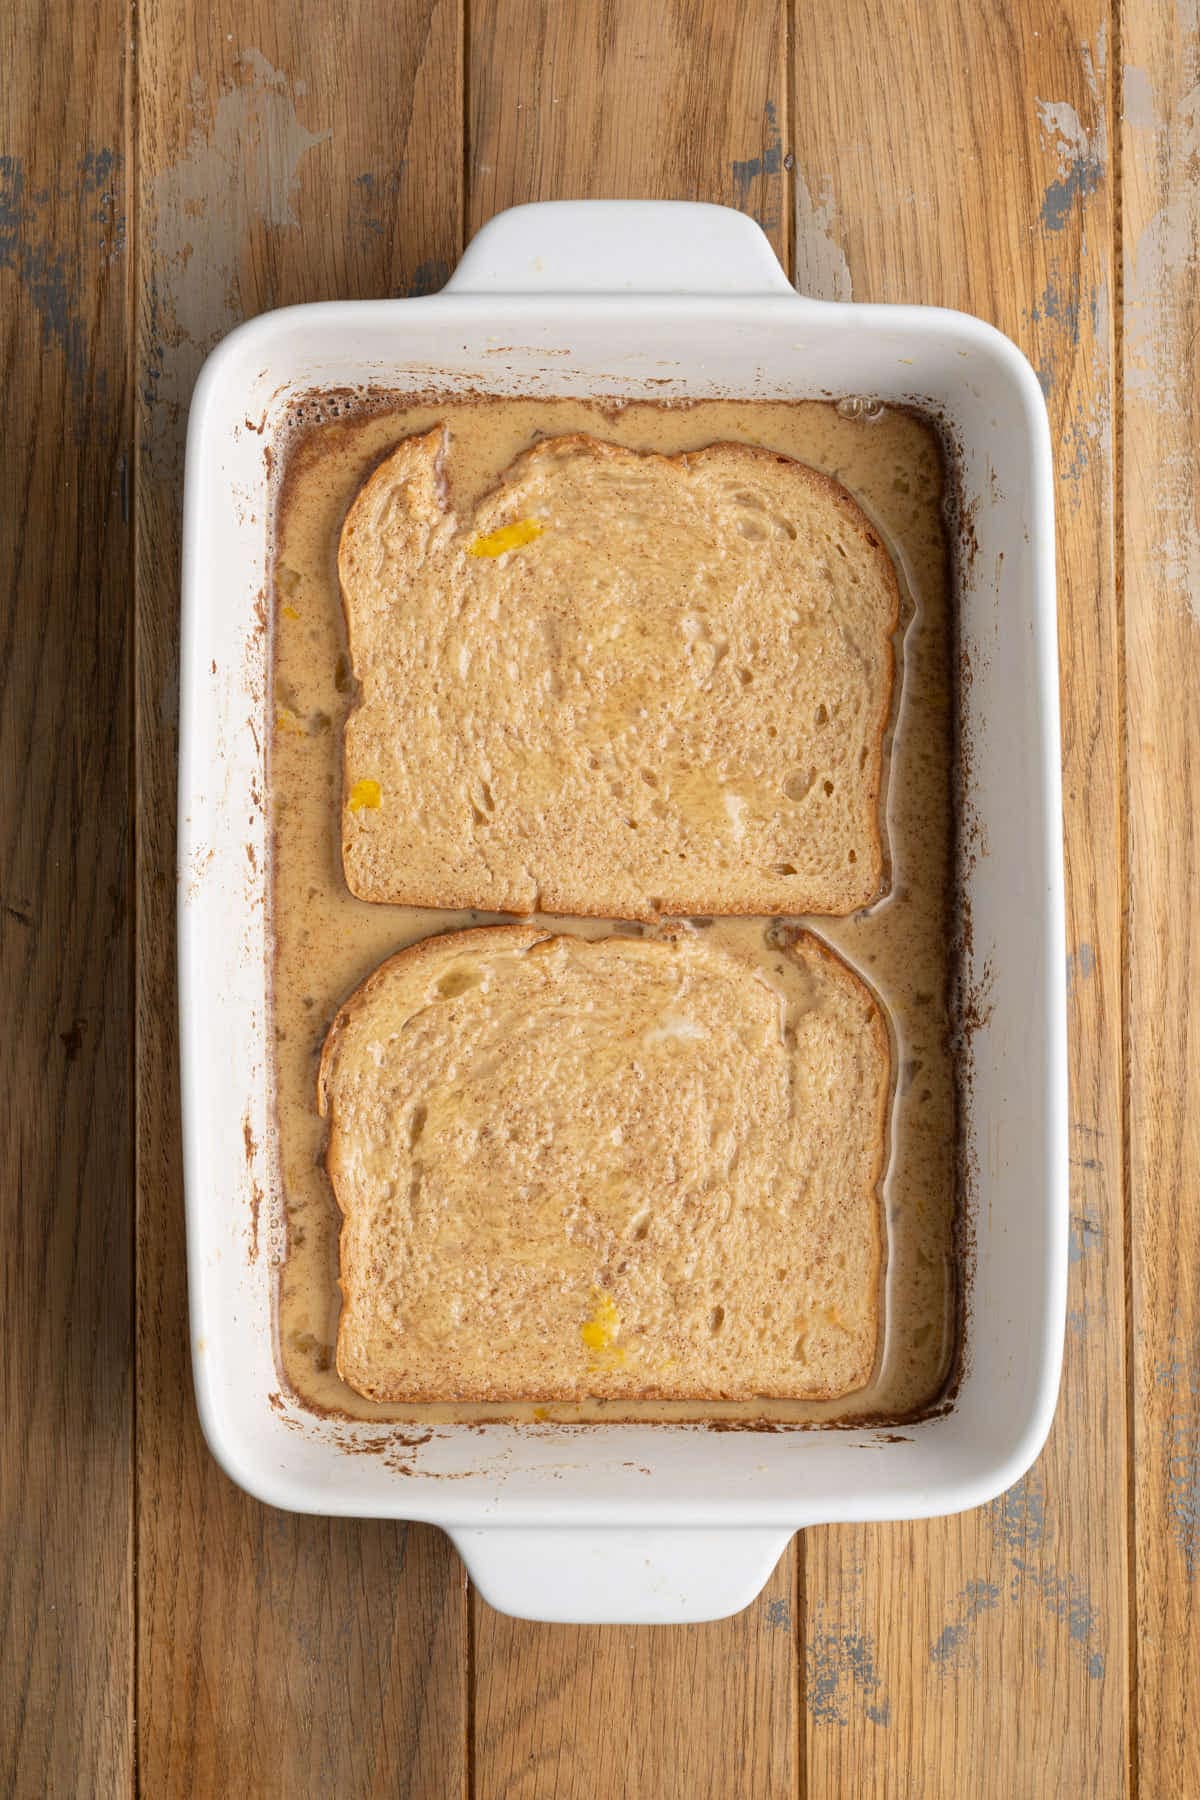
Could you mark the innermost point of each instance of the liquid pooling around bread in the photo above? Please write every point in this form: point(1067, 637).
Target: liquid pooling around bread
point(327, 942)
point(624, 684)
point(624, 1167)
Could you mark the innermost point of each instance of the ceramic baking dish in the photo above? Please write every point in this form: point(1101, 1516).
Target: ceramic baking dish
point(628, 1522)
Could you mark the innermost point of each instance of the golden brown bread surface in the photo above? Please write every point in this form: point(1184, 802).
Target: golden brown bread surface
point(629, 685)
point(626, 1166)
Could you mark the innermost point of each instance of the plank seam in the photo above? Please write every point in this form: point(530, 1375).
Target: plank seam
point(1116, 66)
point(800, 1670)
point(133, 440)
point(465, 180)
point(789, 149)
point(471, 1603)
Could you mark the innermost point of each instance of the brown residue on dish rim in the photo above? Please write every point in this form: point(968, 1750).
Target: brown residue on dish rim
point(256, 1193)
point(767, 1426)
point(967, 1015)
point(977, 1003)
point(389, 1445)
point(198, 869)
point(256, 1201)
point(396, 1449)
point(872, 1422)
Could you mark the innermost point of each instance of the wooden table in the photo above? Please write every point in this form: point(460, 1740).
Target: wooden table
point(168, 167)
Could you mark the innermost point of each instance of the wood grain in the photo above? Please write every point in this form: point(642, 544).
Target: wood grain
point(629, 99)
point(647, 1713)
point(66, 1188)
point(1160, 163)
point(570, 102)
point(969, 167)
point(279, 161)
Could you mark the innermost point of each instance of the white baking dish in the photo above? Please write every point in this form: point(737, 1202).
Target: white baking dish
point(624, 1522)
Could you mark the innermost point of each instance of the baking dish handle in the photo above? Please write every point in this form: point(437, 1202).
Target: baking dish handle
point(620, 247)
point(617, 1575)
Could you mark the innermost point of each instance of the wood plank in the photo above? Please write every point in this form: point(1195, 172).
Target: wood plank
point(969, 167)
point(684, 100)
point(1160, 163)
point(602, 100)
point(66, 1151)
point(280, 161)
point(660, 1713)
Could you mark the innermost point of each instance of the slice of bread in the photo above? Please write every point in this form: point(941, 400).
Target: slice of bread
point(625, 1166)
point(630, 685)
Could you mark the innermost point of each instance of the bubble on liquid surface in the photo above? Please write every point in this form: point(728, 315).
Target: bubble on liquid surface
point(861, 406)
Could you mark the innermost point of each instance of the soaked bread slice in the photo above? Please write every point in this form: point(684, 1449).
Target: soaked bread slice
point(640, 1167)
point(629, 685)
